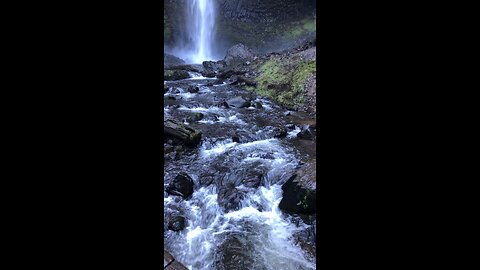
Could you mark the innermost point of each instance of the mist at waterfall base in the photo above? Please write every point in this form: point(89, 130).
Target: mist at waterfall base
point(199, 39)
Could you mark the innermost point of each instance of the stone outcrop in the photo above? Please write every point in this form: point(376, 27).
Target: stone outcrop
point(181, 132)
point(288, 78)
point(175, 74)
point(172, 60)
point(264, 26)
point(299, 192)
point(238, 53)
point(181, 185)
point(238, 102)
point(176, 223)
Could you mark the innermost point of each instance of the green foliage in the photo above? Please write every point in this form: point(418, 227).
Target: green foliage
point(303, 202)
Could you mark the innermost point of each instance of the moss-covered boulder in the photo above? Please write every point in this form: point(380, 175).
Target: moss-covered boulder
point(177, 130)
point(287, 79)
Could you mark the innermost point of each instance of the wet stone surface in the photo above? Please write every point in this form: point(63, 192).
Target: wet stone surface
point(246, 153)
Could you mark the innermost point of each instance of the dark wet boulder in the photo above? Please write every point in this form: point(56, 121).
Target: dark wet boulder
point(165, 88)
point(307, 132)
point(290, 126)
point(239, 53)
point(258, 105)
point(209, 74)
point(236, 139)
point(229, 198)
point(242, 80)
point(179, 131)
point(252, 179)
point(306, 238)
point(181, 185)
point(234, 253)
point(206, 178)
point(192, 67)
point(224, 104)
point(229, 72)
point(213, 66)
point(238, 102)
point(196, 117)
point(193, 89)
point(175, 74)
point(176, 223)
point(172, 60)
point(218, 81)
point(279, 132)
point(299, 192)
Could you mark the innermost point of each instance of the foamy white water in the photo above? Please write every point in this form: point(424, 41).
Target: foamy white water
point(200, 30)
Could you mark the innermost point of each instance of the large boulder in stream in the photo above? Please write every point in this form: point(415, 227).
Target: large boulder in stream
point(179, 131)
point(176, 223)
point(300, 191)
point(193, 89)
point(229, 198)
point(238, 54)
point(175, 74)
point(235, 253)
point(181, 185)
point(238, 102)
point(213, 66)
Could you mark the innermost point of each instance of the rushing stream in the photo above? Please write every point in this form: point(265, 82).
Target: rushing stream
point(248, 231)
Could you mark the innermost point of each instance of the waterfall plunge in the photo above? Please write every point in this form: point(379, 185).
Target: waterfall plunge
point(200, 26)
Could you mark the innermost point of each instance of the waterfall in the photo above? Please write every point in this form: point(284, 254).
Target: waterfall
point(200, 27)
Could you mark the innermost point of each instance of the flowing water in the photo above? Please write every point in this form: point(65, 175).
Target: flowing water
point(233, 219)
point(200, 30)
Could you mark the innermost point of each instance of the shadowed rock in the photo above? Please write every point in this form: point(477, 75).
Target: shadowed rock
point(172, 60)
point(174, 75)
point(299, 192)
point(238, 102)
point(182, 186)
point(238, 53)
point(176, 223)
point(234, 254)
point(189, 136)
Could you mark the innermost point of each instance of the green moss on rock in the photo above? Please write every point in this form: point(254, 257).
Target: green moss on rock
point(283, 80)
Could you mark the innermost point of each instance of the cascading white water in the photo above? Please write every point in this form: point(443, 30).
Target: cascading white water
point(200, 27)
point(254, 233)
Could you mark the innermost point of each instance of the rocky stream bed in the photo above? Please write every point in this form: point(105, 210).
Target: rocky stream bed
point(239, 177)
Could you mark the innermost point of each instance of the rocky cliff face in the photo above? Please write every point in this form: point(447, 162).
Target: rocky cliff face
point(262, 25)
point(268, 25)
